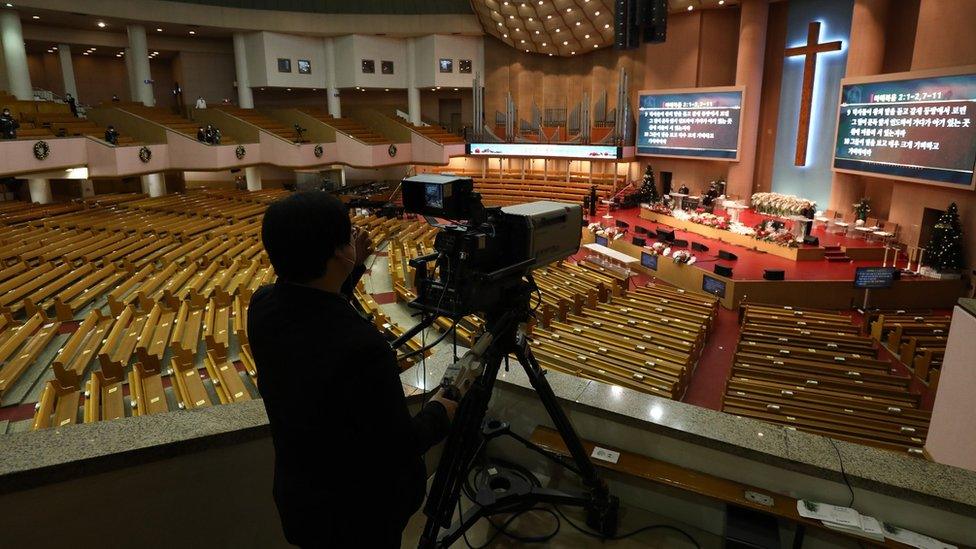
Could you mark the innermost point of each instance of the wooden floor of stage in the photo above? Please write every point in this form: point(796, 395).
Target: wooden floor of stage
point(751, 263)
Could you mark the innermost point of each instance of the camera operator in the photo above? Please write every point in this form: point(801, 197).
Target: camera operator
point(348, 456)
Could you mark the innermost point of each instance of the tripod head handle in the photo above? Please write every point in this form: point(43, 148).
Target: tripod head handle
point(461, 375)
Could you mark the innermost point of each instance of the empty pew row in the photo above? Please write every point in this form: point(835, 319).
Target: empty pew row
point(917, 339)
point(814, 371)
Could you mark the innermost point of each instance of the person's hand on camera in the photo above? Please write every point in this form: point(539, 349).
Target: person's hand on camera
point(364, 247)
point(449, 405)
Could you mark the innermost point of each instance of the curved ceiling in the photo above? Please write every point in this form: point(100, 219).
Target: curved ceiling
point(553, 27)
point(390, 7)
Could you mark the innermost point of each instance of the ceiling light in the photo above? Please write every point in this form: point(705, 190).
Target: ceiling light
point(596, 45)
point(522, 41)
point(92, 49)
point(101, 24)
point(506, 3)
point(159, 30)
point(530, 18)
point(9, 5)
point(577, 23)
point(572, 53)
point(691, 8)
point(586, 36)
point(36, 17)
point(438, 87)
point(287, 89)
point(455, 89)
point(526, 51)
point(557, 30)
point(721, 2)
point(193, 32)
point(518, 29)
point(155, 53)
point(499, 23)
point(388, 89)
point(537, 32)
point(565, 42)
point(607, 26)
point(550, 55)
point(540, 2)
point(544, 44)
point(569, 10)
point(505, 35)
point(85, 53)
point(596, 13)
point(511, 17)
point(548, 17)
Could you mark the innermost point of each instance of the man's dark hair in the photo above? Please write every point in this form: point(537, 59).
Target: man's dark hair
point(302, 232)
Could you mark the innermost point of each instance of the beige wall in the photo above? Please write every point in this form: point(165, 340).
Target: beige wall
point(210, 75)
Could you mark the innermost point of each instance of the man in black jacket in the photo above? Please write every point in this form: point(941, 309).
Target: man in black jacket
point(348, 467)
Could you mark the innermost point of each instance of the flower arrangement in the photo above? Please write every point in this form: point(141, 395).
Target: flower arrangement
point(862, 208)
point(768, 231)
point(660, 248)
point(611, 233)
point(780, 204)
point(683, 257)
point(659, 207)
point(743, 229)
point(710, 220)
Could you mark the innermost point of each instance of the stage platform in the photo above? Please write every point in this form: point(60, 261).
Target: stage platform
point(807, 283)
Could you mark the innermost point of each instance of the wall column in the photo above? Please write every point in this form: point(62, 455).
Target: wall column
point(331, 86)
point(67, 70)
point(865, 57)
point(40, 190)
point(153, 184)
point(87, 188)
point(252, 174)
point(137, 59)
point(749, 73)
point(245, 96)
point(15, 55)
point(413, 92)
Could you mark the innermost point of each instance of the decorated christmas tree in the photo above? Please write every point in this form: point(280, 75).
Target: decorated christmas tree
point(648, 191)
point(945, 249)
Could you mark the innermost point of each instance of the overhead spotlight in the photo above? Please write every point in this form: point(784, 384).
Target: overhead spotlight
point(577, 23)
point(530, 19)
point(540, 2)
point(455, 89)
point(518, 29)
point(85, 53)
point(526, 51)
point(159, 29)
point(505, 3)
point(9, 5)
point(548, 17)
point(537, 32)
point(193, 32)
point(499, 23)
point(438, 87)
point(92, 49)
point(101, 24)
point(596, 13)
point(544, 44)
point(565, 42)
point(522, 41)
point(505, 35)
point(550, 55)
point(511, 17)
point(35, 17)
point(607, 26)
point(572, 53)
point(596, 45)
point(388, 89)
point(586, 36)
point(721, 2)
point(569, 10)
point(287, 89)
point(691, 8)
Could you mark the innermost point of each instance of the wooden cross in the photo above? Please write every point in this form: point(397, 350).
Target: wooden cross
point(810, 50)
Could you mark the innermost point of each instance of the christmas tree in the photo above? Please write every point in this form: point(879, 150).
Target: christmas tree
point(648, 190)
point(945, 248)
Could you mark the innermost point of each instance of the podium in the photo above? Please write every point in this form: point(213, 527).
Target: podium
point(799, 225)
point(679, 200)
point(734, 209)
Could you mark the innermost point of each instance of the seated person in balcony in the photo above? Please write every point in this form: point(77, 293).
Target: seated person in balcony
point(8, 125)
point(342, 434)
point(112, 135)
point(72, 104)
point(201, 135)
point(115, 98)
point(201, 103)
point(212, 135)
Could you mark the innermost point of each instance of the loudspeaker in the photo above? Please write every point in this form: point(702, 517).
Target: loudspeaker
point(722, 270)
point(665, 236)
point(666, 183)
point(638, 241)
point(640, 230)
point(622, 224)
point(679, 243)
point(811, 240)
point(774, 274)
point(626, 35)
point(722, 254)
point(654, 20)
point(699, 247)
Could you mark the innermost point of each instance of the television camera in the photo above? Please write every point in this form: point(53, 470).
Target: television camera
point(482, 264)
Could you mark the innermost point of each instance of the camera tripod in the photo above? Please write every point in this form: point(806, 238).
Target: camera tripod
point(504, 491)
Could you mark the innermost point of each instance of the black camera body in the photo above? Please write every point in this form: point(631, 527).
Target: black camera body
point(483, 258)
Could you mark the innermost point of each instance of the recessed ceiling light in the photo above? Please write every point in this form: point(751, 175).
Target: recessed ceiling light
point(572, 53)
point(548, 17)
point(92, 49)
point(550, 55)
point(438, 87)
point(596, 45)
point(388, 89)
point(522, 41)
point(101, 24)
point(544, 44)
point(85, 53)
point(193, 32)
point(557, 30)
point(505, 35)
point(596, 13)
point(607, 26)
point(577, 23)
point(159, 29)
point(586, 36)
point(499, 23)
point(455, 89)
point(530, 19)
point(506, 3)
point(35, 17)
point(569, 10)
point(537, 32)
point(155, 53)
point(565, 42)
point(721, 2)
point(691, 8)
point(511, 17)
point(526, 51)
point(9, 5)
point(518, 29)
point(540, 3)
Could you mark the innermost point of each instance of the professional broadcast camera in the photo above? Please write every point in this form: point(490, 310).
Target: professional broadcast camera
point(483, 260)
point(482, 257)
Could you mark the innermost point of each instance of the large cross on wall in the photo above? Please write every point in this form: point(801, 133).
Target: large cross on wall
point(810, 50)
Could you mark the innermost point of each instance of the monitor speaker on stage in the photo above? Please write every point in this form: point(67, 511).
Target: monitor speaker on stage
point(678, 243)
point(811, 240)
point(665, 236)
point(722, 270)
point(622, 224)
point(638, 241)
point(666, 183)
point(729, 256)
point(774, 274)
point(699, 247)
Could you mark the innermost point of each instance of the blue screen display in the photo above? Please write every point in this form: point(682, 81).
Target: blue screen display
point(649, 260)
point(923, 128)
point(700, 124)
point(713, 286)
point(602, 240)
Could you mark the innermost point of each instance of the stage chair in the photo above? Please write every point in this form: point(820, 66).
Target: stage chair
point(887, 232)
point(864, 231)
point(843, 225)
point(826, 218)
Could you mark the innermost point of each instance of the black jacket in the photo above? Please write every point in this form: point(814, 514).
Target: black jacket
point(348, 468)
point(8, 127)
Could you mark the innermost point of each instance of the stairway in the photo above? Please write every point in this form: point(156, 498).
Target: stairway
point(835, 254)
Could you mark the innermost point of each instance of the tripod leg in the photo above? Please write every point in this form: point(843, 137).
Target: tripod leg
point(463, 444)
point(602, 512)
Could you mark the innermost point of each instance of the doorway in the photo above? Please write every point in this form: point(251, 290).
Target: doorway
point(449, 115)
point(930, 216)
